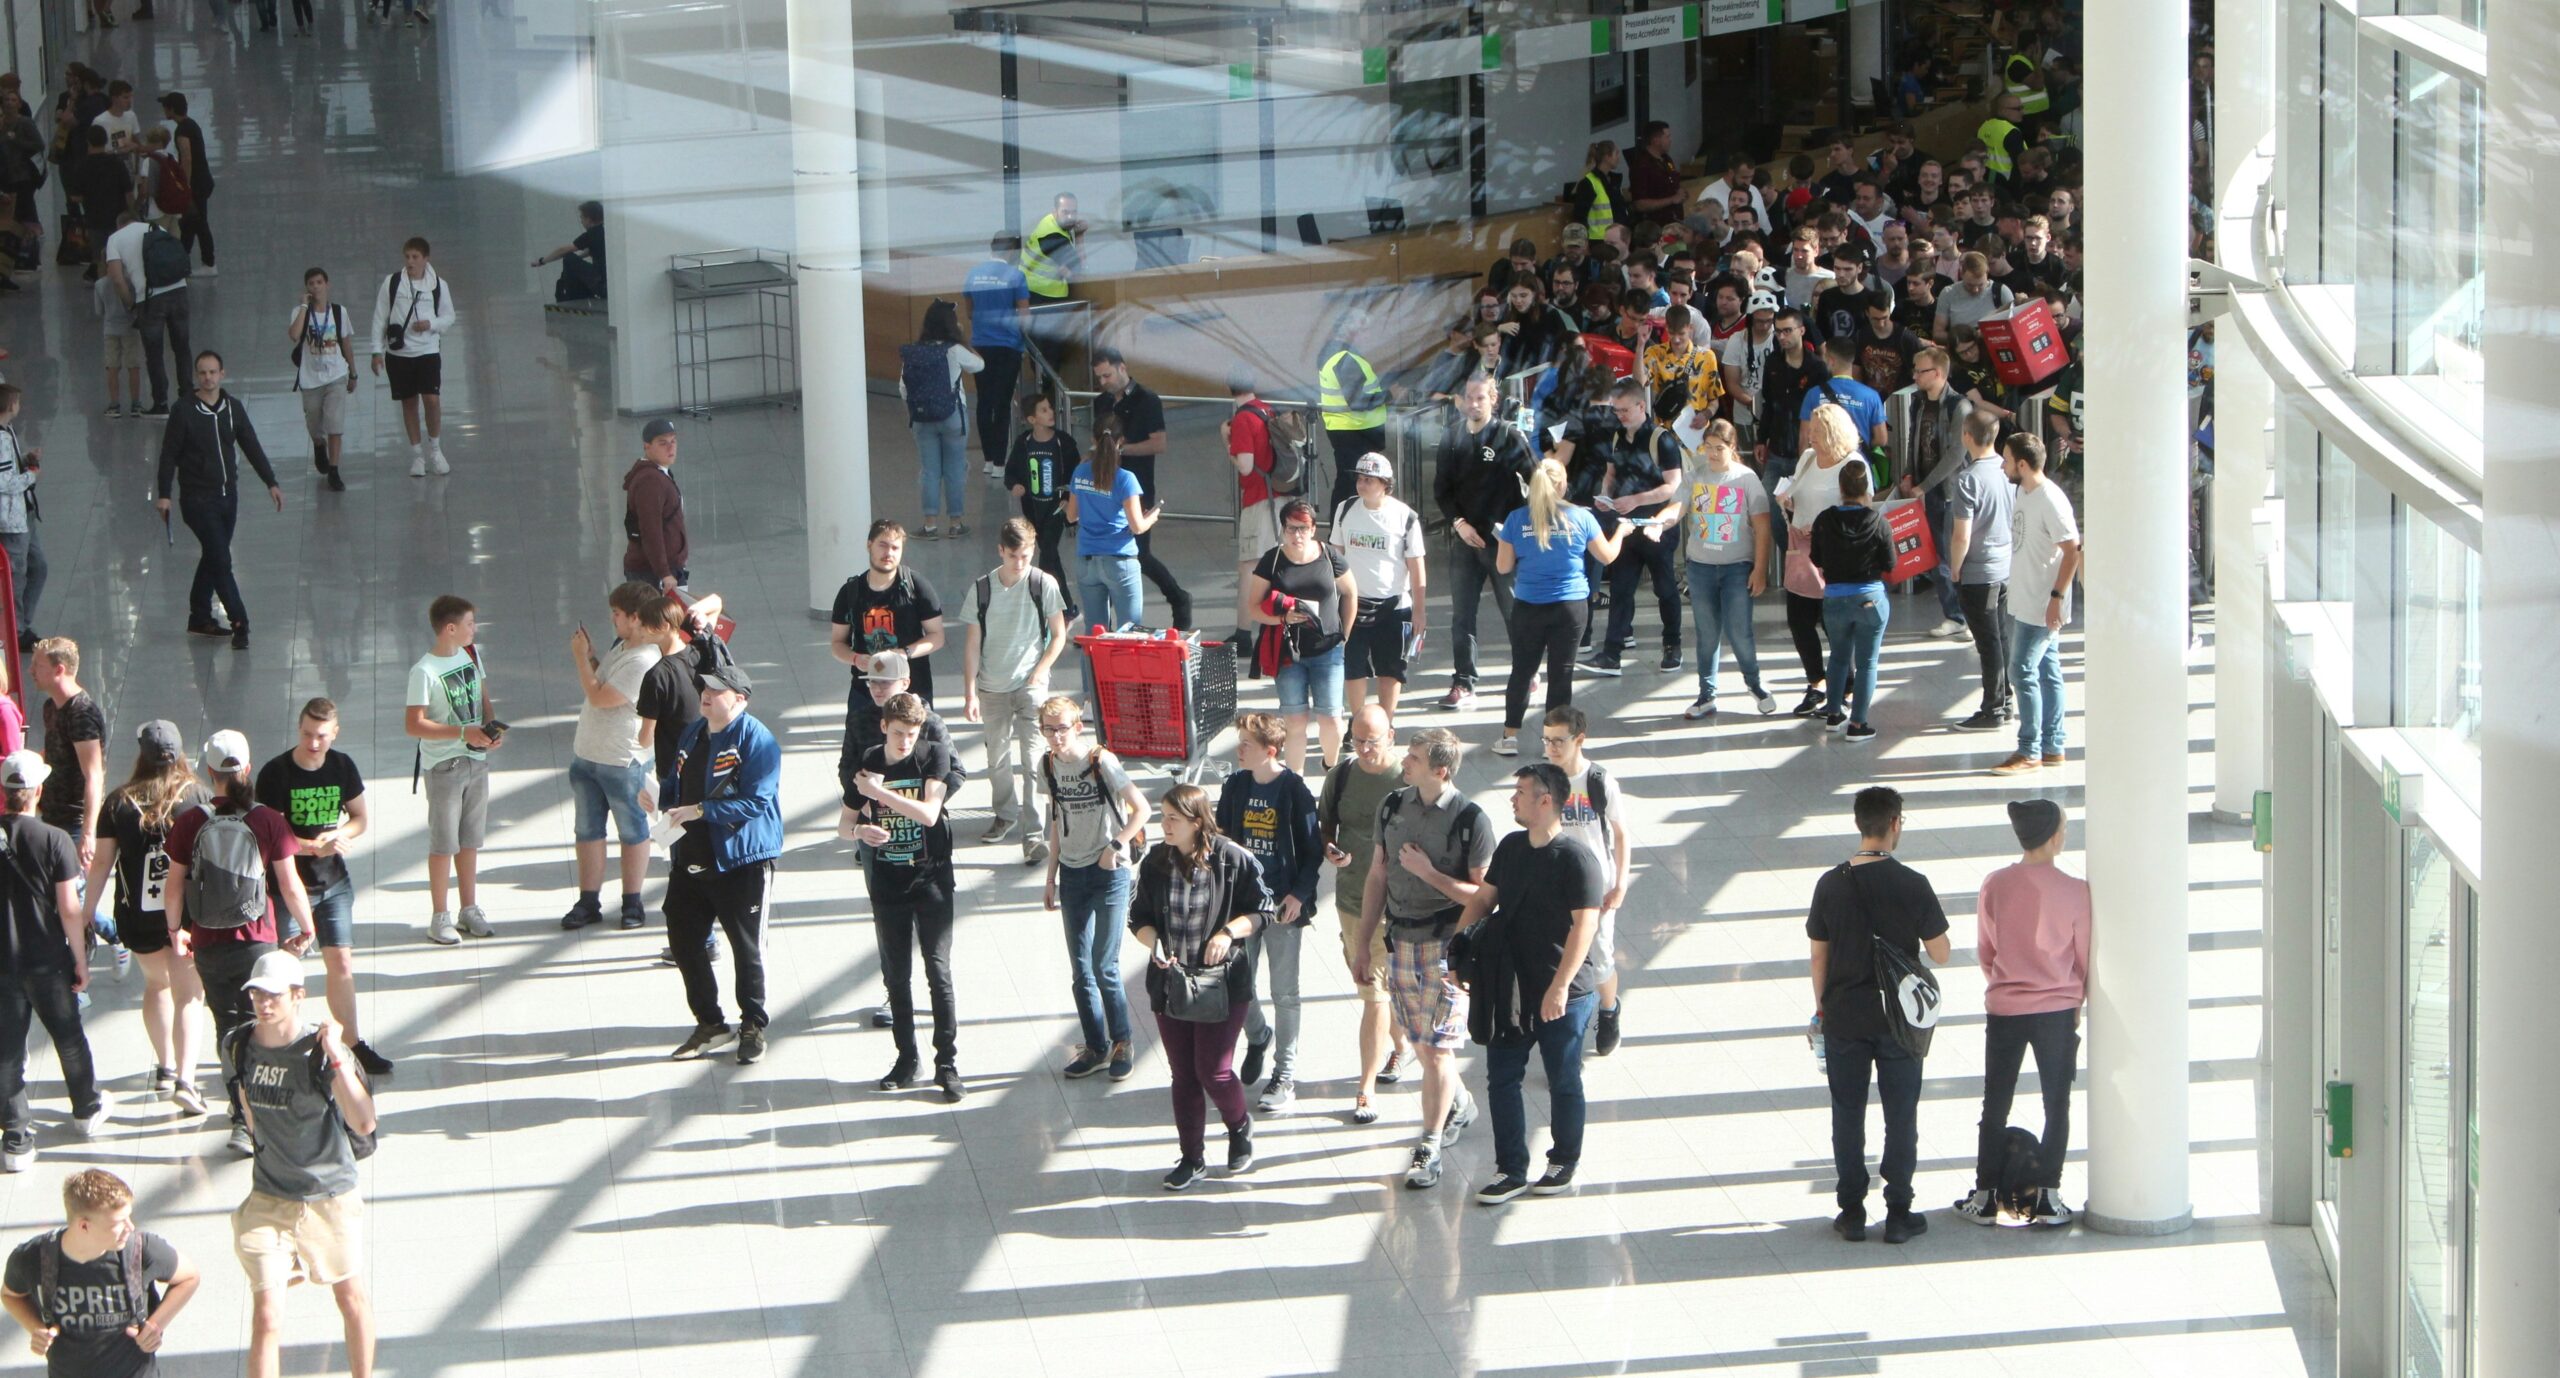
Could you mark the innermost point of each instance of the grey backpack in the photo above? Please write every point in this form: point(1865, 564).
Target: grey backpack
point(227, 880)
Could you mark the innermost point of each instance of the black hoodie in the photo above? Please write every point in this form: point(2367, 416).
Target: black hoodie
point(1482, 474)
point(201, 448)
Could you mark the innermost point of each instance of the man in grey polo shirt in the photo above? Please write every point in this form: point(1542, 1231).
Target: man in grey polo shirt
point(1979, 499)
point(1433, 847)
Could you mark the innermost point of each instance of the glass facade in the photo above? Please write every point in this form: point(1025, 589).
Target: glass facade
point(2434, 302)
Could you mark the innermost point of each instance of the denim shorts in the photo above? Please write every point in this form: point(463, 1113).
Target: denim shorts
point(596, 788)
point(1319, 677)
point(333, 914)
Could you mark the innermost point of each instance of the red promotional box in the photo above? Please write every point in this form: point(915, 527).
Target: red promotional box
point(2024, 345)
point(1915, 549)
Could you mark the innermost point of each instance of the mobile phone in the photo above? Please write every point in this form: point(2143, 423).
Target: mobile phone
point(494, 728)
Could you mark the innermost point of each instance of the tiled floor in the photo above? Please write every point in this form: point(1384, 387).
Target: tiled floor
point(554, 1198)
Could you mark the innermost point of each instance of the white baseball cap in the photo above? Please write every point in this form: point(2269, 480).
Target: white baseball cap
point(276, 973)
point(226, 751)
point(23, 770)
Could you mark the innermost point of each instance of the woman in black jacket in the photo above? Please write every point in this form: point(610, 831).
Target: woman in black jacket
point(1853, 547)
point(1533, 331)
point(200, 453)
point(1199, 896)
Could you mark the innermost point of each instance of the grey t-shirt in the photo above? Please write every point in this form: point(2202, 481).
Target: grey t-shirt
point(1016, 630)
point(1979, 491)
point(1086, 800)
point(1403, 818)
point(1721, 504)
point(303, 1152)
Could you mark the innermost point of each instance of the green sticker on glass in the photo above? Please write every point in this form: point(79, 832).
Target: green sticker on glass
point(1492, 51)
point(1373, 66)
point(1599, 38)
point(1239, 81)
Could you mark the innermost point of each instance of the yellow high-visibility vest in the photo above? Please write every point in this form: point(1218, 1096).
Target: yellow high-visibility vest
point(1994, 134)
point(1043, 275)
point(1600, 217)
point(2032, 100)
point(1339, 414)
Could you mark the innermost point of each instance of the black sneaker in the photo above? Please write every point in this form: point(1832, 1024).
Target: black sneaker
point(156, 409)
point(337, 484)
point(1123, 1062)
point(581, 914)
point(373, 1063)
point(2048, 1210)
point(750, 1044)
point(1509, 1186)
point(1603, 663)
point(633, 916)
point(1557, 1182)
point(1837, 722)
point(1254, 1053)
point(1604, 1031)
point(1850, 1224)
point(1983, 720)
point(954, 1090)
point(703, 1040)
point(902, 1074)
point(1240, 1148)
point(1810, 704)
point(1904, 1224)
point(1085, 1063)
point(1670, 659)
point(1184, 1174)
point(881, 1018)
point(1700, 708)
point(207, 627)
point(239, 636)
point(1858, 732)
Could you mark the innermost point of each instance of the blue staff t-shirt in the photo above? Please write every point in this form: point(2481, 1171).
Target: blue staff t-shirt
point(993, 289)
point(1102, 519)
point(1552, 574)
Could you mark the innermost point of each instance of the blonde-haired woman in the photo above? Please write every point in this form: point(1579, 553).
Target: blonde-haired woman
point(1543, 545)
point(1597, 202)
point(1831, 443)
point(1199, 898)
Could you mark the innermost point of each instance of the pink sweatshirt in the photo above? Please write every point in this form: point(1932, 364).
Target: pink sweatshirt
point(2033, 939)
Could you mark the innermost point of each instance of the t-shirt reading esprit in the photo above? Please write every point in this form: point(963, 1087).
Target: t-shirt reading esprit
point(454, 691)
point(91, 1304)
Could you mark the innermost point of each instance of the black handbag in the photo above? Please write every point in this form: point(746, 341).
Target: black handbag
point(1198, 994)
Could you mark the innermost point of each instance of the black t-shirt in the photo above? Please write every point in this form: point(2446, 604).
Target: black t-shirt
point(1885, 364)
point(40, 857)
point(914, 852)
point(1885, 899)
point(1539, 888)
point(1141, 415)
point(65, 727)
point(590, 242)
point(692, 850)
point(1310, 583)
point(313, 801)
point(142, 864)
point(1041, 469)
point(90, 1305)
point(1840, 314)
point(671, 697)
point(887, 619)
point(200, 176)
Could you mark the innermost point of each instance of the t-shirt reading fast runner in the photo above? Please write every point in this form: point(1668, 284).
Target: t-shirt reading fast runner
point(91, 1305)
point(886, 619)
point(77, 720)
point(1717, 522)
point(312, 801)
point(910, 855)
point(1376, 545)
point(303, 1152)
point(453, 689)
point(1538, 888)
point(1102, 518)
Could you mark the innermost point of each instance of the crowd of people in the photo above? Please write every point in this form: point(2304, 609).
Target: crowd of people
point(1703, 397)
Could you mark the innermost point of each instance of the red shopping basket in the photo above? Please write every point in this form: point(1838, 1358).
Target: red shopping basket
point(1142, 686)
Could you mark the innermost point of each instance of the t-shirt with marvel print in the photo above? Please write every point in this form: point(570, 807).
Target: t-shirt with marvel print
point(66, 725)
point(91, 1304)
point(1720, 506)
point(142, 858)
point(454, 690)
point(312, 801)
point(915, 852)
point(887, 619)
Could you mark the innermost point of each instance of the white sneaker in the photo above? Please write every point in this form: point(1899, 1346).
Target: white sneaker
point(417, 461)
point(1768, 704)
point(440, 929)
point(207, 271)
point(476, 923)
point(90, 1127)
point(435, 457)
point(1280, 1095)
point(1947, 627)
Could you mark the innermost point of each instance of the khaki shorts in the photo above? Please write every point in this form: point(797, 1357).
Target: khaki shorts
point(321, 1241)
point(324, 409)
point(1374, 993)
point(1257, 530)
point(124, 349)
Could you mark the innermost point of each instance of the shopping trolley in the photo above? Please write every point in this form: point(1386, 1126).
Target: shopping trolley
point(1160, 696)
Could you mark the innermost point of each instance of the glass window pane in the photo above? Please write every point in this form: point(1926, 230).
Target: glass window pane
point(2437, 655)
point(2429, 1086)
point(2335, 261)
point(2335, 561)
point(2435, 298)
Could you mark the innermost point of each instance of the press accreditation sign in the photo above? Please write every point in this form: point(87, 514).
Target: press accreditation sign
point(1656, 28)
point(1734, 16)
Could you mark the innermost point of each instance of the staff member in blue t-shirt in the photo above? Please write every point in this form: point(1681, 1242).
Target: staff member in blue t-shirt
point(998, 302)
point(1104, 503)
point(1542, 549)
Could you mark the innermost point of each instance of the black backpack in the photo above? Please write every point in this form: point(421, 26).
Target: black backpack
point(2017, 1172)
point(1039, 578)
point(1906, 989)
point(164, 260)
point(235, 1070)
point(311, 335)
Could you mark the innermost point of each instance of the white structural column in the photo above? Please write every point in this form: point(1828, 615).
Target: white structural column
point(2517, 1228)
point(2243, 404)
point(2136, 530)
point(835, 427)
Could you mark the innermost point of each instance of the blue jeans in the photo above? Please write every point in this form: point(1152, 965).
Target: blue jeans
point(1855, 626)
point(598, 789)
point(1559, 1045)
point(2035, 672)
point(942, 452)
point(1897, 1076)
point(1720, 599)
point(1318, 678)
point(1936, 505)
point(1108, 591)
point(1096, 905)
point(333, 915)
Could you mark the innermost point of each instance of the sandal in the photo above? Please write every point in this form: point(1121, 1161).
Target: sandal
point(1362, 1112)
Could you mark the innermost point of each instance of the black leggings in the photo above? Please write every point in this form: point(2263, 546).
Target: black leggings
point(1804, 621)
point(1549, 630)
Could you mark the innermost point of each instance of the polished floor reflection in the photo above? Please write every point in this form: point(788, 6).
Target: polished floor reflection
point(554, 1198)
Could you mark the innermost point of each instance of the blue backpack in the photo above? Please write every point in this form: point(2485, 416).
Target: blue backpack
point(925, 372)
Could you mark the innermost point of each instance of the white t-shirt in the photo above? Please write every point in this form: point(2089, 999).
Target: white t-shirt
point(2038, 525)
point(125, 129)
point(1740, 351)
point(454, 692)
point(611, 736)
point(1376, 546)
point(125, 246)
point(1813, 489)
point(322, 364)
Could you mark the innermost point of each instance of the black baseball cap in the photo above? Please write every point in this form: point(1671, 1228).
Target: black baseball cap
point(732, 677)
point(659, 427)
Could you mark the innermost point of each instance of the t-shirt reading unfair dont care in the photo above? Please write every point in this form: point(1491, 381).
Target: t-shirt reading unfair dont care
point(91, 1304)
point(454, 691)
point(886, 619)
point(313, 801)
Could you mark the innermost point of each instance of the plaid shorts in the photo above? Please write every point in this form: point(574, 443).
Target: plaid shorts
point(1431, 1011)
